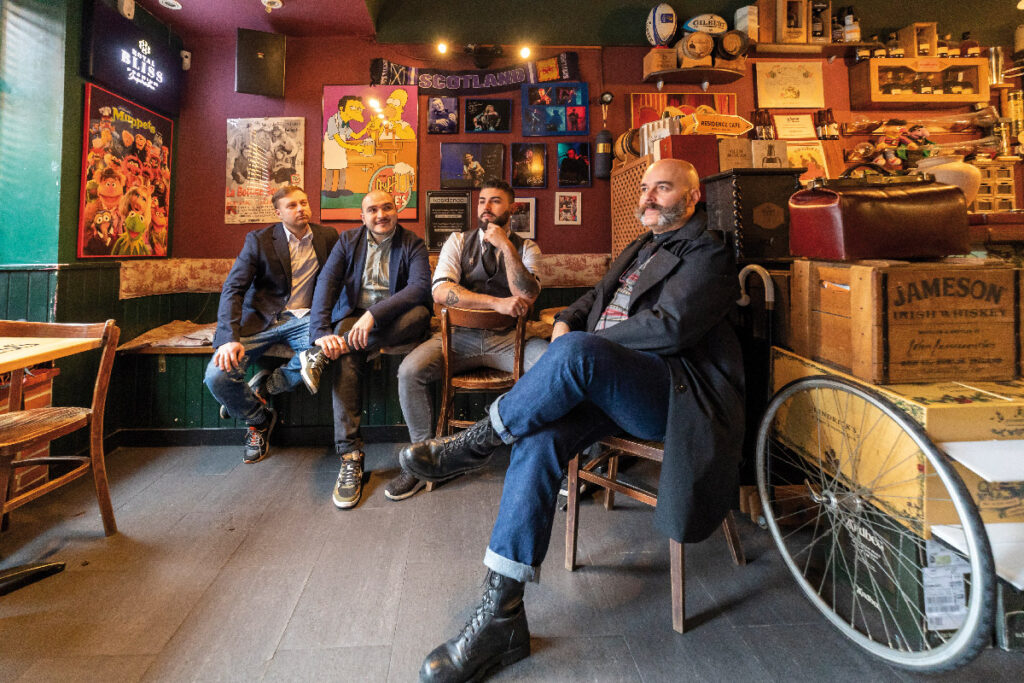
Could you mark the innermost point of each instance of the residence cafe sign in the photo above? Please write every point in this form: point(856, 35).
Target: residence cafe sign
point(561, 67)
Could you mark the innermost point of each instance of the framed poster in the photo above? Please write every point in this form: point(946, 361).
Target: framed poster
point(488, 116)
point(124, 199)
point(567, 208)
point(469, 164)
point(573, 164)
point(529, 165)
point(443, 115)
point(646, 107)
point(263, 155)
point(369, 143)
point(448, 211)
point(555, 109)
point(524, 217)
point(809, 155)
point(789, 85)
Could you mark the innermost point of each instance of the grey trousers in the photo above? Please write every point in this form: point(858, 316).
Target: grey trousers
point(472, 349)
point(350, 369)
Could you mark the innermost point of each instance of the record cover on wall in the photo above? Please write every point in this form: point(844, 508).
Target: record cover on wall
point(555, 109)
point(370, 136)
point(124, 202)
point(469, 164)
point(263, 155)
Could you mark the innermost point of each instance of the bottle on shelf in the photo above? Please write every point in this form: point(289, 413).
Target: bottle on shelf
point(769, 126)
point(851, 27)
point(831, 126)
point(923, 84)
point(877, 47)
point(952, 83)
point(924, 45)
point(819, 124)
point(968, 46)
point(837, 25)
point(819, 30)
point(758, 121)
point(893, 49)
point(943, 46)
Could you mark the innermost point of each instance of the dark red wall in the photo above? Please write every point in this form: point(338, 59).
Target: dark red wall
point(201, 138)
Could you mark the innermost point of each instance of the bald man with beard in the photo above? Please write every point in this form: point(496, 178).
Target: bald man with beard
point(648, 351)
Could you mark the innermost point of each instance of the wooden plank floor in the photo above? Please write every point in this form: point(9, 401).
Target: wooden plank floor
point(232, 572)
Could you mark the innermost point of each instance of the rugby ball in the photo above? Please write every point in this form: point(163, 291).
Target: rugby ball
point(661, 25)
point(706, 23)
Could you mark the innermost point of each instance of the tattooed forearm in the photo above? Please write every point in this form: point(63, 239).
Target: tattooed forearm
point(453, 296)
point(527, 283)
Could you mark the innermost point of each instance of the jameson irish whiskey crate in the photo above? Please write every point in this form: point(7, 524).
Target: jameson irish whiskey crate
point(897, 321)
point(948, 411)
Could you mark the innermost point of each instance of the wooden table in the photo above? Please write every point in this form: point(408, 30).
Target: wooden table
point(16, 354)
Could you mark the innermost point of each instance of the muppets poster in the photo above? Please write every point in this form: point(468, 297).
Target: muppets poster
point(263, 156)
point(369, 143)
point(126, 179)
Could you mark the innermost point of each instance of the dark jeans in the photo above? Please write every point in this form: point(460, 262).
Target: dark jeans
point(582, 389)
point(350, 368)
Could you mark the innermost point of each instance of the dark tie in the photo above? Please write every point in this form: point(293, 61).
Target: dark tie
point(489, 259)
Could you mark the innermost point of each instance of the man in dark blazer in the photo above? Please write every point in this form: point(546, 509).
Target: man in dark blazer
point(265, 300)
point(648, 351)
point(374, 291)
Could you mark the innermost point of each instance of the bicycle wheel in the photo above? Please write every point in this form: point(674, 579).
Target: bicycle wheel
point(854, 493)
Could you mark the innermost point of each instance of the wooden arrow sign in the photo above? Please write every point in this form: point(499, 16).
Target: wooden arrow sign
point(720, 124)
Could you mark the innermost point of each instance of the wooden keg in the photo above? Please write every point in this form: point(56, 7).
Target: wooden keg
point(627, 145)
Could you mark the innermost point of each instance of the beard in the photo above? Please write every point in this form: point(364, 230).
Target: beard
point(667, 215)
point(501, 219)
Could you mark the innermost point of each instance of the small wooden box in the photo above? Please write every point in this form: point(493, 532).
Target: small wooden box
point(791, 21)
point(659, 59)
point(36, 393)
point(896, 321)
point(918, 33)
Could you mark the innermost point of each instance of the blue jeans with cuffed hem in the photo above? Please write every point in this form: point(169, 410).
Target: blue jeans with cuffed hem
point(230, 388)
point(582, 389)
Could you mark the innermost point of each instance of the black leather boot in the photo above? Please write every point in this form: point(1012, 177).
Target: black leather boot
point(440, 459)
point(496, 636)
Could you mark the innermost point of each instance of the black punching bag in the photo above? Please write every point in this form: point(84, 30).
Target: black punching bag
point(603, 155)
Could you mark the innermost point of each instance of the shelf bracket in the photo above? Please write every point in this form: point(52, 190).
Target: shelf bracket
point(831, 58)
point(704, 86)
point(659, 84)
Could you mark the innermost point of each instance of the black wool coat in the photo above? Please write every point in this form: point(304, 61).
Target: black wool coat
point(679, 310)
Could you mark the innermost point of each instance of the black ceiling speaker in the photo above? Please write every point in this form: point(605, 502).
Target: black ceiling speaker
point(259, 63)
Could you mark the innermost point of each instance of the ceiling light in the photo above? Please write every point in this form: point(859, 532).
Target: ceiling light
point(1020, 5)
point(442, 47)
point(170, 4)
point(524, 51)
point(272, 4)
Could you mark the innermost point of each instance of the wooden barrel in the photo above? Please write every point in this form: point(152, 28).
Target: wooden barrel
point(627, 146)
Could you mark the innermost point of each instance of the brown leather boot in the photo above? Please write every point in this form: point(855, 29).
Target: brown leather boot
point(495, 636)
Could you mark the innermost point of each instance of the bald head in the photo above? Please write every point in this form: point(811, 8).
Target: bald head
point(669, 192)
point(380, 215)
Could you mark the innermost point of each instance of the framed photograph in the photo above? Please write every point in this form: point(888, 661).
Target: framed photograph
point(809, 155)
point(524, 217)
point(794, 126)
point(488, 116)
point(529, 165)
point(125, 196)
point(555, 109)
point(573, 164)
point(448, 211)
point(567, 208)
point(466, 165)
point(789, 85)
point(370, 140)
point(262, 156)
point(443, 115)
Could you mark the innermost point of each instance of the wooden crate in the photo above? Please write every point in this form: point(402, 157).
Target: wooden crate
point(36, 393)
point(896, 321)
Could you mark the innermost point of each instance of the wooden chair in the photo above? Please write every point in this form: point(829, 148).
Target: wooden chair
point(24, 429)
point(479, 379)
point(613, 447)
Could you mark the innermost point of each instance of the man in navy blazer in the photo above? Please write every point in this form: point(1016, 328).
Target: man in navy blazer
point(265, 300)
point(374, 291)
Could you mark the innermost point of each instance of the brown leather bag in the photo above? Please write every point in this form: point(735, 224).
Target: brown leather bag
point(881, 216)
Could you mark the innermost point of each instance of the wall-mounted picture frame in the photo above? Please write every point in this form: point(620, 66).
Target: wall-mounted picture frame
point(568, 208)
point(555, 109)
point(574, 164)
point(790, 85)
point(466, 165)
point(488, 116)
point(443, 115)
point(524, 217)
point(529, 164)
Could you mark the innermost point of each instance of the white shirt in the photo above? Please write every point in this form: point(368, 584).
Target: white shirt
point(304, 267)
point(449, 261)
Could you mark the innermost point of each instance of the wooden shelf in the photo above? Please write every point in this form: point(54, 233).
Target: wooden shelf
point(788, 49)
point(866, 83)
point(711, 75)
